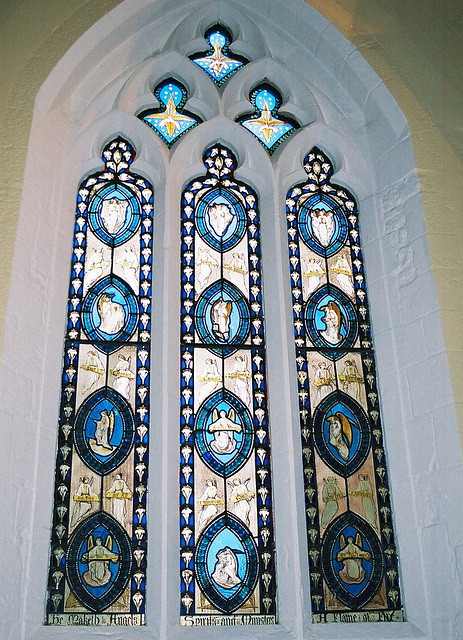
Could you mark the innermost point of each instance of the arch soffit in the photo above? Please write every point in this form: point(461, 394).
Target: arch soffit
point(133, 49)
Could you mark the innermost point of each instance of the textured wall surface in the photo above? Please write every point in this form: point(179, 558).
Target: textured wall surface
point(415, 48)
point(422, 439)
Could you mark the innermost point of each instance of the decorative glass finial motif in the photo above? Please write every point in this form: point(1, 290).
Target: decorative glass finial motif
point(171, 121)
point(226, 522)
point(352, 552)
point(217, 62)
point(98, 545)
point(265, 124)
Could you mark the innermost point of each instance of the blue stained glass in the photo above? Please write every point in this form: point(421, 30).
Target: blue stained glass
point(171, 121)
point(218, 63)
point(352, 556)
point(98, 541)
point(99, 561)
point(331, 321)
point(225, 452)
point(114, 214)
point(226, 521)
point(265, 124)
point(104, 430)
point(219, 300)
point(110, 313)
point(221, 219)
point(351, 548)
point(341, 433)
point(322, 224)
point(227, 563)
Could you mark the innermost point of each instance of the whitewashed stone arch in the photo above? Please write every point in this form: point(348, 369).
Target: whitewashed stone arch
point(92, 96)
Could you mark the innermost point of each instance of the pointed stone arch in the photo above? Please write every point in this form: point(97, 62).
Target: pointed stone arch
point(73, 118)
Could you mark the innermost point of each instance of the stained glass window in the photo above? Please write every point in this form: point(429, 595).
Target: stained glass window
point(170, 121)
point(218, 62)
point(266, 124)
point(98, 545)
point(351, 547)
point(226, 520)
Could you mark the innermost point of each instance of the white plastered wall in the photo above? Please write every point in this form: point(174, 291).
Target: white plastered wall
point(345, 109)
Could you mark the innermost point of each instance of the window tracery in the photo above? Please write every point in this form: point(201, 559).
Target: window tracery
point(171, 121)
point(219, 63)
point(266, 124)
point(211, 585)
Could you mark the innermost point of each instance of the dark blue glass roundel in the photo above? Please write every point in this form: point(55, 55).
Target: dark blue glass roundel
point(331, 320)
point(104, 430)
point(110, 313)
point(342, 433)
point(224, 433)
point(221, 219)
point(226, 563)
point(322, 224)
point(222, 316)
point(352, 561)
point(114, 214)
point(99, 561)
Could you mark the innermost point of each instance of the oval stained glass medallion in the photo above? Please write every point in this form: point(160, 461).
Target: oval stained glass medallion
point(322, 224)
point(222, 317)
point(99, 561)
point(104, 430)
point(114, 214)
point(227, 563)
point(221, 219)
point(224, 433)
point(342, 433)
point(352, 560)
point(110, 313)
point(331, 320)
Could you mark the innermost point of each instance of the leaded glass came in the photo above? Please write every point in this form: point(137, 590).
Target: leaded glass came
point(218, 62)
point(266, 124)
point(226, 519)
point(171, 121)
point(99, 542)
point(352, 553)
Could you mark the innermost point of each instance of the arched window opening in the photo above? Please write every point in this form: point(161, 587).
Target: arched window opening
point(99, 538)
point(95, 95)
point(352, 552)
point(226, 506)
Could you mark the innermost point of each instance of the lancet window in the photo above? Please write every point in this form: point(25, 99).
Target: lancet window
point(226, 516)
point(99, 541)
point(352, 552)
point(227, 543)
